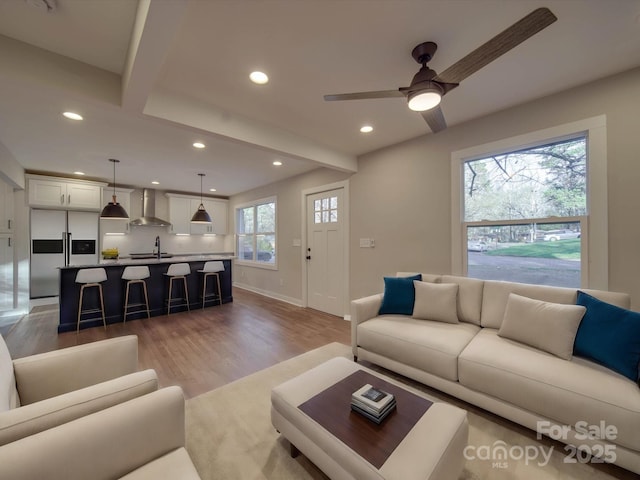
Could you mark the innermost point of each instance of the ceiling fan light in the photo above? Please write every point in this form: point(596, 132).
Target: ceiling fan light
point(424, 99)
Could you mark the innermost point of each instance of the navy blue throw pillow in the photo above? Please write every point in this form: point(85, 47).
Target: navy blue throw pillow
point(399, 295)
point(609, 335)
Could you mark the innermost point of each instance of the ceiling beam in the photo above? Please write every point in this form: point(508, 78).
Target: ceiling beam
point(155, 25)
point(197, 114)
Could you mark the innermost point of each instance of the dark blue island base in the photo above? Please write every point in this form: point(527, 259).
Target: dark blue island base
point(114, 292)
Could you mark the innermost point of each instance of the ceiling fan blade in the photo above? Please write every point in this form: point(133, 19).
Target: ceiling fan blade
point(499, 45)
point(435, 119)
point(364, 95)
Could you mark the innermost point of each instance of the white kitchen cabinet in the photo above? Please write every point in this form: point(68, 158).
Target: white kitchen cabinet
point(180, 215)
point(217, 209)
point(182, 208)
point(6, 208)
point(114, 225)
point(64, 193)
point(6, 271)
point(202, 228)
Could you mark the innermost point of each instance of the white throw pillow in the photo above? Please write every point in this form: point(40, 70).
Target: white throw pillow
point(551, 327)
point(436, 301)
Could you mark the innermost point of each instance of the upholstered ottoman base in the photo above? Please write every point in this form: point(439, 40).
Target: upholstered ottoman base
point(431, 449)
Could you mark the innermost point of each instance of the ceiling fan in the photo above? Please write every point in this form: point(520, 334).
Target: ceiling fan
point(427, 87)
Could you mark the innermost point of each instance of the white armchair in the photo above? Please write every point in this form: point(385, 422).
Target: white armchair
point(142, 439)
point(42, 391)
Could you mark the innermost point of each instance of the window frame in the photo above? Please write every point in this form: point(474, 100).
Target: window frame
point(254, 205)
point(594, 245)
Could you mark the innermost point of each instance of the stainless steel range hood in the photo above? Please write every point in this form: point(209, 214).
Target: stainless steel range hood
point(148, 218)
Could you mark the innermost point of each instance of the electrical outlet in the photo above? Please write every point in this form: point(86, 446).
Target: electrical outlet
point(367, 243)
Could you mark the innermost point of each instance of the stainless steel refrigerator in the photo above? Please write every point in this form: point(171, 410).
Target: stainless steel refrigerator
point(60, 238)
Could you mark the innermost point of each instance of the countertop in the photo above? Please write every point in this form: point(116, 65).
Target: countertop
point(187, 257)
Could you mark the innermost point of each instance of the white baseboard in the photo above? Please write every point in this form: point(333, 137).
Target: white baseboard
point(267, 293)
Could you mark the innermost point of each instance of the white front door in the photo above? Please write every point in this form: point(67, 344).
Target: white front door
point(325, 251)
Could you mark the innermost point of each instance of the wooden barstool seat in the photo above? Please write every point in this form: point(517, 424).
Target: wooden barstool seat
point(90, 278)
point(136, 276)
point(211, 269)
point(178, 271)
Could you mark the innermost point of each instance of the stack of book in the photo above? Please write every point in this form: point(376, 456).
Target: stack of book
point(373, 403)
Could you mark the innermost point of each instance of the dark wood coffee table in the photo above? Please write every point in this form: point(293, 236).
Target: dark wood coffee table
point(374, 442)
point(420, 440)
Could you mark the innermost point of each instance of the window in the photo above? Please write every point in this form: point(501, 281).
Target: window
point(527, 207)
point(256, 232)
point(325, 210)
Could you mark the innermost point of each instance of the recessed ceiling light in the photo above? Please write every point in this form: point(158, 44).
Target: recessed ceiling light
point(78, 173)
point(72, 115)
point(212, 190)
point(277, 163)
point(259, 77)
point(366, 129)
point(199, 144)
point(155, 182)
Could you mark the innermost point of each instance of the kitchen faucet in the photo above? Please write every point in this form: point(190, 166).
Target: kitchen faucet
point(158, 246)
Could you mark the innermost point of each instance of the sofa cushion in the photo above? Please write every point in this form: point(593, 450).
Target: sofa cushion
point(609, 335)
point(8, 392)
point(49, 413)
point(547, 326)
point(424, 344)
point(399, 295)
point(561, 390)
point(426, 277)
point(469, 297)
point(496, 294)
point(436, 301)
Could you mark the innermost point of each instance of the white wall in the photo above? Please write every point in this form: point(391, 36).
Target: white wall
point(284, 283)
point(401, 194)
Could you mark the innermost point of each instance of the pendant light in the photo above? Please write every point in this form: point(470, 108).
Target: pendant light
point(113, 210)
point(201, 215)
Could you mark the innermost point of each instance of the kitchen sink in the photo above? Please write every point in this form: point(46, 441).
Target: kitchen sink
point(142, 256)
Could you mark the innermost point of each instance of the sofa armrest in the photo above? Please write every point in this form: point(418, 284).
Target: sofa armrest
point(105, 445)
point(53, 373)
point(363, 309)
point(36, 417)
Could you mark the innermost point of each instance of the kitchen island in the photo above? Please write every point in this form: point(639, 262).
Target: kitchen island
point(157, 287)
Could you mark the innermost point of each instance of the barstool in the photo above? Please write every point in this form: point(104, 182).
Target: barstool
point(211, 269)
point(136, 275)
point(91, 277)
point(178, 271)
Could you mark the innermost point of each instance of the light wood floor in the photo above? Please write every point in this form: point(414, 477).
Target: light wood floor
point(203, 349)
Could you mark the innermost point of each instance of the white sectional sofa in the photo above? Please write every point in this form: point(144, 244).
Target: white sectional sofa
point(507, 348)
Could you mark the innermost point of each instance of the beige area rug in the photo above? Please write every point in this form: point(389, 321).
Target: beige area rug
point(230, 436)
